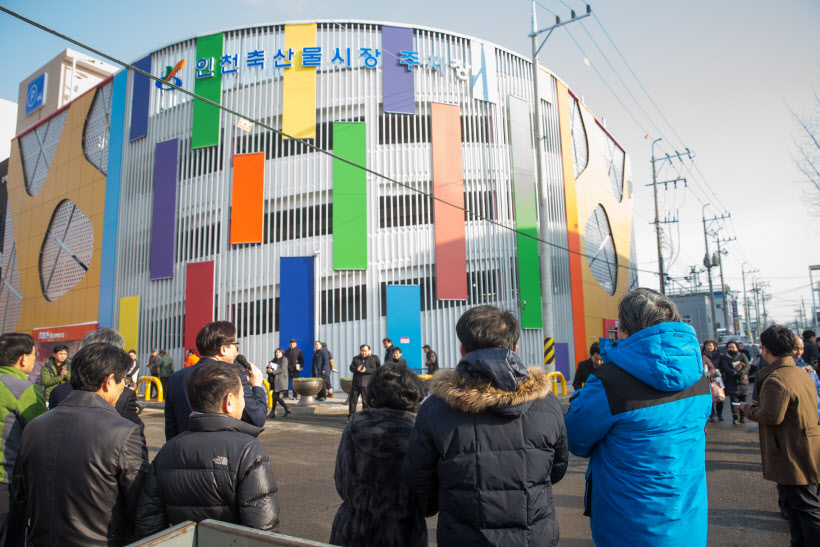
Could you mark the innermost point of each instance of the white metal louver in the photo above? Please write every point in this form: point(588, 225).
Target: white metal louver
point(37, 149)
point(11, 292)
point(66, 251)
point(614, 159)
point(600, 250)
point(97, 124)
point(580, 148)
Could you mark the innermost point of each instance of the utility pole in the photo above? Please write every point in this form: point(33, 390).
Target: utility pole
point(709, 263)
point(756, 291)
point(746, 301)
point(721, 252)
point(655, 183)
point(544, 254)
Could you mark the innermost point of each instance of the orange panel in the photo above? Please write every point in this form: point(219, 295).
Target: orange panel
point(247, 198)
point(448, 185)
point(573, 231)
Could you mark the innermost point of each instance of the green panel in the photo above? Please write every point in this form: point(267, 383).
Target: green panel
point(526, 219)
point(349, 197)
point(206, 116)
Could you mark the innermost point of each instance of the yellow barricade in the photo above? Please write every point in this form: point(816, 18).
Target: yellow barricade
point(148, 380)
point(555, 376)
point(269, 392)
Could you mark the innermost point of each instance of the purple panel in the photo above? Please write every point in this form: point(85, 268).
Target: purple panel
point(164, 215)
point(140, 97)
point(397, 81)
point(562, 360)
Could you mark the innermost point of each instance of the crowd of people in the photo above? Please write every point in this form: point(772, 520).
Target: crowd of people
point(481, 445)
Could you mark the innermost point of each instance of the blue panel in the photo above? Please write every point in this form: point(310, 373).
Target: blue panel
point(562, 360)
point(404, 322)
point(140, 95)
point(108, 263)
point(296, 304)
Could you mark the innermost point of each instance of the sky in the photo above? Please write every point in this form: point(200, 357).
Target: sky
point(718, 78)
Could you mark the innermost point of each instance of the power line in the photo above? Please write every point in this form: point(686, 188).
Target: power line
point(303, 141)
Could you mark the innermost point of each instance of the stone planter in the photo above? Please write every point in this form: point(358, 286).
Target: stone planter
point(347, 385)
point(308, 388)
point(426, 379)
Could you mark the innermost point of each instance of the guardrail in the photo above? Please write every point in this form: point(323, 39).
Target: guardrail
point(214, 533)
point(555, 376)
point(151, 380)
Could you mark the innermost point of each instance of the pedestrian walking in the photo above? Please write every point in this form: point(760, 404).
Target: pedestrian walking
point(789, 434)
point(296, 361)
point(363, 366)
point(712, 357)
point(80, 466)
point(735, 371)
point(431, 361)
point(20, 402)
point(381, 510)
point(277, 370)
point(640, 419)
point(215, 470)
point(321, 368)
point(328, 383)
point(490, 441)
point(134, 371)
point(165, 366)
point(153, 370)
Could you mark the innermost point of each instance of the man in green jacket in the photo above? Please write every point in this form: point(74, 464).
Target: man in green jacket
point(57, 369)
point(20, 402)
point(166, 368)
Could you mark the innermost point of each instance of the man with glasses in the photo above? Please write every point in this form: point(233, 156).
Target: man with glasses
point(215, 342)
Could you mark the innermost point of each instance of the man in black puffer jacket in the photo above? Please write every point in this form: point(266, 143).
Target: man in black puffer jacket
point(490, 441)
point(215, 470)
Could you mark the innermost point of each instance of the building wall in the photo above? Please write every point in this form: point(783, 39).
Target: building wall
point(70, 176)
point(165, 144)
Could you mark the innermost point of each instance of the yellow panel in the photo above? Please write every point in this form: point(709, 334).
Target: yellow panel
point(299, 91)
point(129, 321)
point(593, 188)
point(72, 177)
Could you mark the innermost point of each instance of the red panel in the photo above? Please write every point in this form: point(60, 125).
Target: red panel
point(448, 185)
point(247, 198)
point(199, 299)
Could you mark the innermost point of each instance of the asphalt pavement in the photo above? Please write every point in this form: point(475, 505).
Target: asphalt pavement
point(742, 506)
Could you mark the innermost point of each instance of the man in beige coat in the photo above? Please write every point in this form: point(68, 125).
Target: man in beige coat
point(789, 434)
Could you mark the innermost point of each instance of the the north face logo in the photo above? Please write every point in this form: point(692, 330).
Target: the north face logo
point(221, 460)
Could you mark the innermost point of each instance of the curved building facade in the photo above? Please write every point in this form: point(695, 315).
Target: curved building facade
point(141, 208)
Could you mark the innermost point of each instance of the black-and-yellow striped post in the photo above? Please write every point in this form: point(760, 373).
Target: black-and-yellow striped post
point(549, 351)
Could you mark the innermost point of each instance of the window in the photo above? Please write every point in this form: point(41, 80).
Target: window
point(314, 220)
point(344, 304)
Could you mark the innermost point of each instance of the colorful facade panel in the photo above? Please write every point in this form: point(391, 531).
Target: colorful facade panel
point(70, 176)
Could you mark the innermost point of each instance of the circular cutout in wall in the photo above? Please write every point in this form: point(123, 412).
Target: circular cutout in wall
point(66, 251)
point(600, 250)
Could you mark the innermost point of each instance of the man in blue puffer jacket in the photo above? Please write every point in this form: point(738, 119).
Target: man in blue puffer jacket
point(640, 420)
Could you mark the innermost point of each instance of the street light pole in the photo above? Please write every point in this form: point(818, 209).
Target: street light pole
point(544, 253)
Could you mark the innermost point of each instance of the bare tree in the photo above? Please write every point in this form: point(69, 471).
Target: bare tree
point(807, 156)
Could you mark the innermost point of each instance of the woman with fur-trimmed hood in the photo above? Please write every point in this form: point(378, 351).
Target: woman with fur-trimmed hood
point(490, 441)
point(378, 508)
